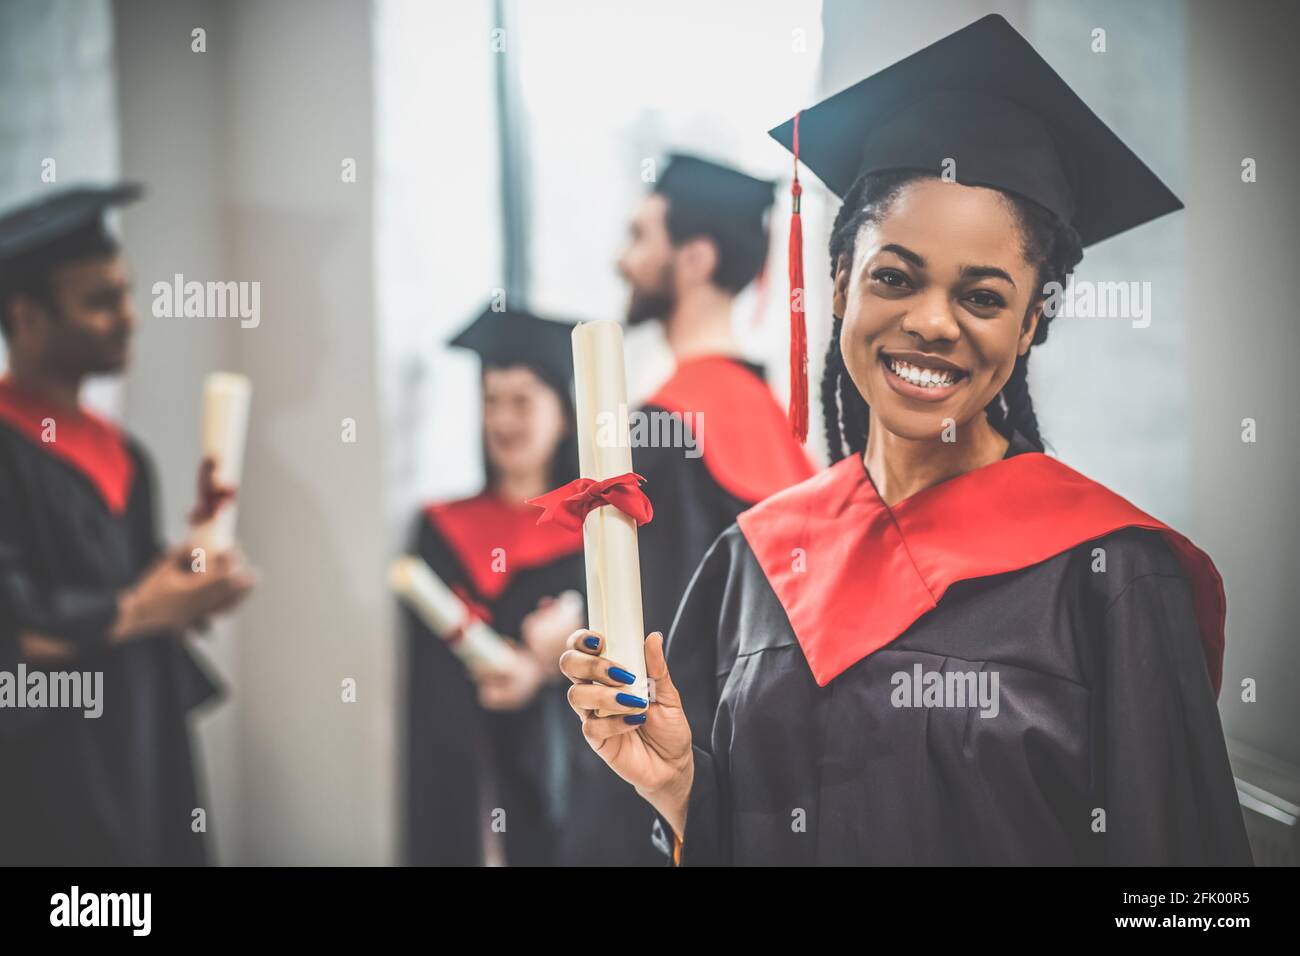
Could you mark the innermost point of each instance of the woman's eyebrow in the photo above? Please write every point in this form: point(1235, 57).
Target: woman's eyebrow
point(976, 272)
point(904, 253)
point(987, 272)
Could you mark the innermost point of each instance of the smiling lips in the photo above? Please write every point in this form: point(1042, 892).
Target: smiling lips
point(926, 382)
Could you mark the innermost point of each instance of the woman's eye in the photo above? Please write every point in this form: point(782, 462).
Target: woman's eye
point(890, 277)
point(984, 299)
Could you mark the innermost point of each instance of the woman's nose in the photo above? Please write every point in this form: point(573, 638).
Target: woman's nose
point(932, 318)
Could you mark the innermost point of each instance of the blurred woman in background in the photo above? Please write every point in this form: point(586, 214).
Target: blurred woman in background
point(487, 746)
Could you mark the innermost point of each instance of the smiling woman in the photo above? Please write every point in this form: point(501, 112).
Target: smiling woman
point(942, 540)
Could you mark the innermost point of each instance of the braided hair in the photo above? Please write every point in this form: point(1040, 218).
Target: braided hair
point(1052, 247)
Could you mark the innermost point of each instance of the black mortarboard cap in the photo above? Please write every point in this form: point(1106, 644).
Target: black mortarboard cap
point(984, 98)
point(518, 337)
point(727, 196)
point(71, 224)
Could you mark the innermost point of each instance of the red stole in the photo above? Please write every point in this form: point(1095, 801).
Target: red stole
point(92, 446)
point(872, 571)
point(475, 528)
point(747, 445)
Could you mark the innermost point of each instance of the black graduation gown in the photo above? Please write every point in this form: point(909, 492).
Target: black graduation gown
point(694, 500)
point(1104, 702)
point(120, 789)
point(464, 761)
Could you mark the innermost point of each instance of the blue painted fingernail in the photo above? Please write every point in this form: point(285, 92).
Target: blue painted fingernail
point(630, 700)
point(634, 719)
point(619, 674)
point(593, 642)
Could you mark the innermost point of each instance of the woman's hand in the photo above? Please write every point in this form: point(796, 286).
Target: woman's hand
point(648, 746)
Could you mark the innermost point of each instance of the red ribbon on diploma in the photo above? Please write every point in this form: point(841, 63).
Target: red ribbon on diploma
point(569, 504)
point(473, 610)
point(211, 495)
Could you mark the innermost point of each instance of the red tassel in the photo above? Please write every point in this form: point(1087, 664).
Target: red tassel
point(798, 324)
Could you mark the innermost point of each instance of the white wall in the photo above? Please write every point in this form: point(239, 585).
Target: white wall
point(171, 134)
point(1244, 342)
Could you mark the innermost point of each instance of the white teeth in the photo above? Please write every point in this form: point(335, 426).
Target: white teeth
point(923, 377)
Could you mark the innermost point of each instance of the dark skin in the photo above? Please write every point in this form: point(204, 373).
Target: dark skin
point(85, 329)
point(943, 277)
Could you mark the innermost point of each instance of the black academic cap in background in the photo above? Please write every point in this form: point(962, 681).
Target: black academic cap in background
point(518, 337)
point(985, 99)
point(68, 225)
point(715, 192)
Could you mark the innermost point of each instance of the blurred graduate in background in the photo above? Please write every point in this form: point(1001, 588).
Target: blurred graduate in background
point(696, 241)
point(487, 747)
point(86, 584)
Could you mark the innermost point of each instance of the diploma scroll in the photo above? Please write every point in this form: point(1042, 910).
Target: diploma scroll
point(468, 637)
point(226, 397)
point(609, 536)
